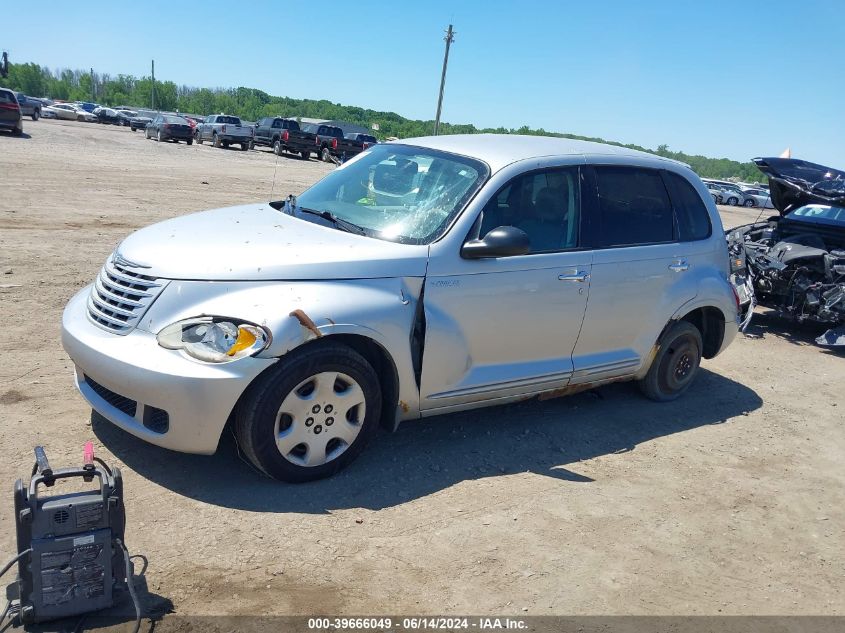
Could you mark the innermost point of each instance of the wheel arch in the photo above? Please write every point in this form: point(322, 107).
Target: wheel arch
point(710, 322)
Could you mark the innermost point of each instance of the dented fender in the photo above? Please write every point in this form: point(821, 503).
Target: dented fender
point(297, 312)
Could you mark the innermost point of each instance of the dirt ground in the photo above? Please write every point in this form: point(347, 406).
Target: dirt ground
point(728, 501)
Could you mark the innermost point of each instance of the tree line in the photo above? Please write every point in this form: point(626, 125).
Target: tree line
point(252, 104)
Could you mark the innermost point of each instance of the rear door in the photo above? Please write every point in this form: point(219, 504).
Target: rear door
point(506, 326)
point(640, 272)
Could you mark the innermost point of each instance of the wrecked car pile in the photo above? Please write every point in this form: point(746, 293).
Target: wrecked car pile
point(794, 263)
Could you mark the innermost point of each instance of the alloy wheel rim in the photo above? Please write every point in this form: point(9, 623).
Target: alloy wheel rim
point(319, 419)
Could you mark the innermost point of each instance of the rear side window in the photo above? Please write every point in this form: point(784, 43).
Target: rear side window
point(693, 218)
point(634, 207)
point(290, 125)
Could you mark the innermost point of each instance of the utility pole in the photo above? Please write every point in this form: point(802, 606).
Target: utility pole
point(450, 37)
point(154, 83)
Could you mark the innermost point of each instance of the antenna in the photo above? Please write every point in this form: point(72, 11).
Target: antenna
point(450, 37)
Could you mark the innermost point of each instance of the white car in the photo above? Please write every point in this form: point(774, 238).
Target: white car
point(61, 111)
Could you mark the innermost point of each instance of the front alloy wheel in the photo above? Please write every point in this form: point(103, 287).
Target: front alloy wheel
point(311, 414)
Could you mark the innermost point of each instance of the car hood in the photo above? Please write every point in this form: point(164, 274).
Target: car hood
point(794, 183)
point(257, 242)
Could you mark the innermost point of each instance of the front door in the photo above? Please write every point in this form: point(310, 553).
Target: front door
point(506, 326)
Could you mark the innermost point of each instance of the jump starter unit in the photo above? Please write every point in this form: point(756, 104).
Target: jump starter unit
point(71, 554)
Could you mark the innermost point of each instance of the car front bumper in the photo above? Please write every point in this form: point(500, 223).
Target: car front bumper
point(156, 394)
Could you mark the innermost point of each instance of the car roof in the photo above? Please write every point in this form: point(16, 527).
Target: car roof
point(499, 150)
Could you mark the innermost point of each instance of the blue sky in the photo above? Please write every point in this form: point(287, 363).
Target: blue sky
point(735, 79)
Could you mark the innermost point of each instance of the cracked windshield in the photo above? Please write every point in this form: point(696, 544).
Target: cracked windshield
point(402, 194)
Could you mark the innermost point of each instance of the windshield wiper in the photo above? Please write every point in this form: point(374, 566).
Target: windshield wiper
point(290, 207)
point(340, 223)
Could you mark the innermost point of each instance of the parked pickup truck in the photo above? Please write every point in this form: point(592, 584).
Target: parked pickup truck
point(29, 106)
point(223, 130)
point(329, 143)
point(283, 135)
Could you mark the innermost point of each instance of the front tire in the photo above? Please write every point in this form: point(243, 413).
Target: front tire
point(311, 414)
point(675, 365)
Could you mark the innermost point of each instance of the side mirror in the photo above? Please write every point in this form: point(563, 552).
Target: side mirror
point(503, 241)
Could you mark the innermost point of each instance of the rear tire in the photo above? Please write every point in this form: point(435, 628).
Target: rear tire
point(750, 203)
point(36, 114)
point(326, 156)
point(158, 136)
point(17, 131)
point(244, 147)
point(225, 144)
point(733, 201)
point(147, 134)
point(283, 422)
point(277, 148)
point(215, 140)
point(305, 155)
point(675, 365)
point(252, 145)
point(190, 141)
point(198, 137)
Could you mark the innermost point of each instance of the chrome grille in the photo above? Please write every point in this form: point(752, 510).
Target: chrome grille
point(120, 297)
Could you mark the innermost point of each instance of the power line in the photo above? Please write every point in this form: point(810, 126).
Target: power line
point(450, 37)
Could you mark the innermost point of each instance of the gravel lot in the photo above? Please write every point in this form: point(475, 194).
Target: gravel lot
point(728, 501)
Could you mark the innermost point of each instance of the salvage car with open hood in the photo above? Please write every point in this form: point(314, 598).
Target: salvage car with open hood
point(419, 278)
point(794, 262)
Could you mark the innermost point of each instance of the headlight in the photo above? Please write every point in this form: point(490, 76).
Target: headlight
point(214, 339)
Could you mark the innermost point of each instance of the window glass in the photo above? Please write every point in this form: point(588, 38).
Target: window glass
point(634, 207)
point(544, 204)
point(693, 218)
point(398, 192)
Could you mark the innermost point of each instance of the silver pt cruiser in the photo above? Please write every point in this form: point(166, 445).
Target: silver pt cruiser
point(422, 277)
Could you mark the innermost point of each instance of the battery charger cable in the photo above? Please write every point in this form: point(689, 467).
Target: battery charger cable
point(6, 568)
point(131, 585)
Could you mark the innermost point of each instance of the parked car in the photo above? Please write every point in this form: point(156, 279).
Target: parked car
point(428, 276)
point(732, 195)
point(107, 116)
point(10, 112)
point(166, 127)
point(29, 107)
point(327, 140)
point(794, 262)
point(755, 197)
point(283, 135)
point(139, 122)
point(716, 192)
point(224, 130)
point(63, 111)
point(125, 117)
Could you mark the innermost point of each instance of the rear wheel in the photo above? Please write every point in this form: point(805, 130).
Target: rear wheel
point(305, 155)
point(750, 203)
point(198, 136)
point(158, 136)
point(36, 114)
point(17, 131)
point(215, 140)
point(225, 144)
point(326, 155)
point(252, 145)
point(311, 414)
point(277, 148)
point(147, 134)
point(733, 201)
point(244, 147)
point(675, 365)
point(190, 141)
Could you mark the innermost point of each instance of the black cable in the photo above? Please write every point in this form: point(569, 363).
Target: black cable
point(131, 585)
point(15, 560)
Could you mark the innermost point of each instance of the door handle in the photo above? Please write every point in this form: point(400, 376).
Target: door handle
point(679, 265)
point(580, 276)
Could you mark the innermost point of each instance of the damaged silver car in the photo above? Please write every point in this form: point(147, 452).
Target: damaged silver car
point(419, 278)
point(794, 262)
